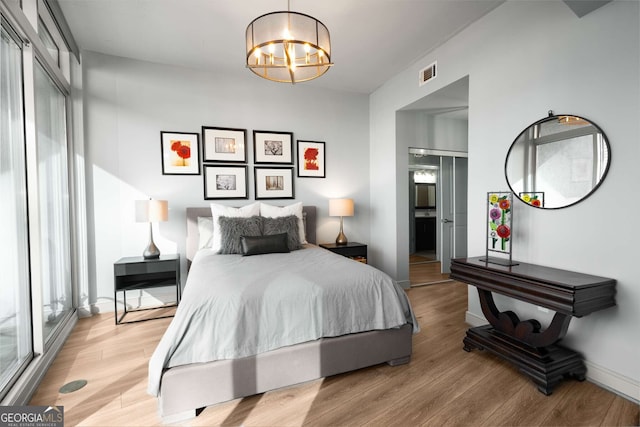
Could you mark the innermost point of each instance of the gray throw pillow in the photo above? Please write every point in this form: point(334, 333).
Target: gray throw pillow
point(283, 224)
point(232, 228)
point(256, 245)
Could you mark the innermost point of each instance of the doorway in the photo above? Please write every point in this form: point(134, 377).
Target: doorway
point(435, 131)
point(437, 213)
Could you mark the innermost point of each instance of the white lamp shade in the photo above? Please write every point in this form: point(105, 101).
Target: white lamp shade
point(340, 207)
point(152, 210)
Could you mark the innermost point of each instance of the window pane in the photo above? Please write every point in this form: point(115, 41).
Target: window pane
point(47, 39)
point(54, 201)
point(15, 317)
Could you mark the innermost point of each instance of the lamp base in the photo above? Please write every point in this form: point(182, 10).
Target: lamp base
point(146, 255)
point(151, 252)
point(341, 239)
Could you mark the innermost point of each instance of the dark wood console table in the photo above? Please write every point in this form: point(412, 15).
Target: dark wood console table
point(535, 352)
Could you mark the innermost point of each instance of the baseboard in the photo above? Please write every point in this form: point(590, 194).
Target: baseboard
point(474, 320)
point(605, 378)
point(613, 381)
point(135, 301)
point(404, 284)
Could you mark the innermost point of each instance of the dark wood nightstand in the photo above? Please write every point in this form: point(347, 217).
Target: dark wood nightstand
point(354, 250)
point(133, 273)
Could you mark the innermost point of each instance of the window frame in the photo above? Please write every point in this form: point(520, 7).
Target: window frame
point(23, 20)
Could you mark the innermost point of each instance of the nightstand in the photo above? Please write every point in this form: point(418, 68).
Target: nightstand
point(354, 250)
point(134, 273)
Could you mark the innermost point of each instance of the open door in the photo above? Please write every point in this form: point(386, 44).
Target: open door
point(446, 216)
point(453, 210)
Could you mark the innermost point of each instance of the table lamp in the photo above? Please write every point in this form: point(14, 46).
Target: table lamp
point(151, 211)
point(341, 208)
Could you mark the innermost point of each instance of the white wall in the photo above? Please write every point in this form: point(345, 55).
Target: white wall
point(523, 59)
point(126, 105)
point(419, 129)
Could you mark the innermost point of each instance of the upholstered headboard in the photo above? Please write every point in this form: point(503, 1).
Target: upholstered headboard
point(193, 238)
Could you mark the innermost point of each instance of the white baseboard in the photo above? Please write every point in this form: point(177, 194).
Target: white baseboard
point(135, 300)
point(474, 320)
point(404, 284)
point(613, 381)
point(606, 378)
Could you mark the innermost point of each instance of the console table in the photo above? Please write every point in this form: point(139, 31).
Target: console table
point(521, 342)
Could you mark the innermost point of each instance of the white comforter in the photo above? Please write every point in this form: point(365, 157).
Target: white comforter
point(236, 306)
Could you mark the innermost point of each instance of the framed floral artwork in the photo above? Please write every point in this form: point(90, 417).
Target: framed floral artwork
point(180, 153)
point(311, 155)
point(499, 231)
point(273, 183)
point(272, 147)
point(224, 145)
point(225, 182)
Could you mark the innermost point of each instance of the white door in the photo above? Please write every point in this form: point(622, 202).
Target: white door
point(453, 210)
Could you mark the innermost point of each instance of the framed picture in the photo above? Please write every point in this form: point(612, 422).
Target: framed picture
point(180, 153)
point(225, 182)
point(224, 145)
point(273, 183)
point(273, 147)
point(311, 159)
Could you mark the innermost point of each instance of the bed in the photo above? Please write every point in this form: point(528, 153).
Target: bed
point(196, 366)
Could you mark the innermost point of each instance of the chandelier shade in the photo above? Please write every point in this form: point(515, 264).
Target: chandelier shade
point(288, 47)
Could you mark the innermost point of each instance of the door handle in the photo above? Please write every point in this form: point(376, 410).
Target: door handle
point(445, 220)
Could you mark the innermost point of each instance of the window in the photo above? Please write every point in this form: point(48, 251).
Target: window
point(36, 183)
point(16, 348)
point(53, 186)
point(48, 41)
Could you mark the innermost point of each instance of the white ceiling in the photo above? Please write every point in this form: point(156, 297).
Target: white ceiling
point(372, 40)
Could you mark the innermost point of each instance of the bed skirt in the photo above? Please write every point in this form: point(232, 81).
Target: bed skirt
point(184, 389)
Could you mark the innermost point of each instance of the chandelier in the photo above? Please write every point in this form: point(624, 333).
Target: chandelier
point(288, 47)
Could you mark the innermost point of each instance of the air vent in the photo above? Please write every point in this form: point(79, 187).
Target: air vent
point(428, 73)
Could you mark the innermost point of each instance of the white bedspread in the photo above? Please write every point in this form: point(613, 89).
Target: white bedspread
point(235, 306)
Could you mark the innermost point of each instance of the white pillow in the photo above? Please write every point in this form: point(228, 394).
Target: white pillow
point(270, 211)
point(221, 210)
point(205, 232)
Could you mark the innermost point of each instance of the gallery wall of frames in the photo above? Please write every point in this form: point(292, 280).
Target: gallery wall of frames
point(221, 154)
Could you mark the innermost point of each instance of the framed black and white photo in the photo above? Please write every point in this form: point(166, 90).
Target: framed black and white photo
point(273, 183)
point(224, 145)
point(180, 153)
point(273, 147)
point(225, 182)
point(311, 158)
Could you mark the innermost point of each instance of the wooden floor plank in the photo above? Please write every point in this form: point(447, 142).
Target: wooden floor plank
point(427, 272)
point(622, 412)
point(443, 385)
point(585, 405)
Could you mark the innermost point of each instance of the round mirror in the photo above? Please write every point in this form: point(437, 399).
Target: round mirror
point(557, 161)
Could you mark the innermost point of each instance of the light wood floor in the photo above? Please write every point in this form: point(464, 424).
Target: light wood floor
point(443, 385)
point(425, 270)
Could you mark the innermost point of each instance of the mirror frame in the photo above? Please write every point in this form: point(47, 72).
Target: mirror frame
point(551, 116)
